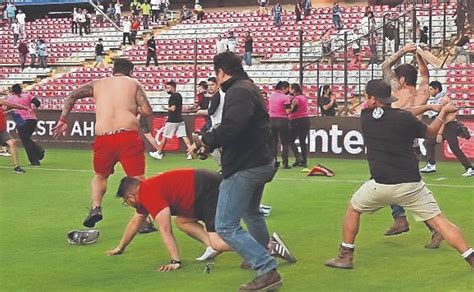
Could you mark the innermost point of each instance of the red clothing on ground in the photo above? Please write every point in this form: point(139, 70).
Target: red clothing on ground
point(174, 189)
point(124, 147)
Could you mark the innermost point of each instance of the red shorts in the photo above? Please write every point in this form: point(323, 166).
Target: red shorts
point(124, 147)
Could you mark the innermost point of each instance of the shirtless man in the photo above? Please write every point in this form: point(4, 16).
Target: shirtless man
point(118, 101)
point(403, 81)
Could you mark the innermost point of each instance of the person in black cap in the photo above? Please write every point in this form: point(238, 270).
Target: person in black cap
point(388, 135)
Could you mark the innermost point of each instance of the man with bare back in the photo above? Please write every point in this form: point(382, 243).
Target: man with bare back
point(118, 101)
point(403, 80)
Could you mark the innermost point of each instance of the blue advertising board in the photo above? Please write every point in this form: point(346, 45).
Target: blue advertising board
point(46, 2)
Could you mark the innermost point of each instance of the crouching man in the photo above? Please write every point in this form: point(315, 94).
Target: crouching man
point(190, 195)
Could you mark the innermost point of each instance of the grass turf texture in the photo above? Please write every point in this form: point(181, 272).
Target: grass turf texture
point(39, 207)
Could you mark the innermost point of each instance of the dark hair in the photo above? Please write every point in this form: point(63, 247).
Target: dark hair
point(230, 63)
point(16, 89)
point(282, 84)
point(323, 88)
point(100, 39)
point(437, 85)
point(212, 79)
point(171, 83)
point(203, 84)
point(125, 184)
point(425, 29)
point(296, 87)
point(409, 72)
point(123, 66)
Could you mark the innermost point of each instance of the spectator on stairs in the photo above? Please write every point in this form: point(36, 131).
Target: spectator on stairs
point(11, 12)
point(126, 30)
point(118, 12)
point(111, 12)
point(98, 15)
point(16, 31)
point(221, 45)
point(42, 54)
point(135, 29)
point(231, 42)
point(22, 50)
point(277, 10)
point(135, 8)
point(146, 8)
point(99, 54)
point(81, 21)
point(21, 18)
point(186, 13)
point(32, 52)
point(74, 23)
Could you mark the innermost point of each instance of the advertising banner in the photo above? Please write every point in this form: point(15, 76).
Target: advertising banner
point(328, 136)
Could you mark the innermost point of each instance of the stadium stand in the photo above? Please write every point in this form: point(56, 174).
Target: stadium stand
point(276, 51)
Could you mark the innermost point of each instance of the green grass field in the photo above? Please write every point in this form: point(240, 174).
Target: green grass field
point(41, 206)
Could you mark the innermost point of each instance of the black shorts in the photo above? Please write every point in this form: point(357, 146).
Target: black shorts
point(206, 186)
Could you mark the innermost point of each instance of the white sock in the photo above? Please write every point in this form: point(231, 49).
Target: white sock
point(347, 245)
point(467, 253)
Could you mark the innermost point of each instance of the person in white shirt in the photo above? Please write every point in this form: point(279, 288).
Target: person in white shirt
point(74, 23)
point(155, 9)
point(81, 21)
point(118, 12)
point(21, 16)
point(98, 16)
point(16, 31)
point(231, 42)
point(221, 45)
point(126, 30)
point(32, 52)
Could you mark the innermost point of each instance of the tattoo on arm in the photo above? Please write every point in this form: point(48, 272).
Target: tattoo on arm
point(86, 90)
point(143, 104)
point(387, 71)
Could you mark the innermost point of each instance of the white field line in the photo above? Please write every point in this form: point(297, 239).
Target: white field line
point(314, 179)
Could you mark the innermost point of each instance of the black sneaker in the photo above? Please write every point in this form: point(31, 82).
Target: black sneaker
point(279, 249)
point(148, 228)
point(18, 169)
point(95, 215)
point(35, 164)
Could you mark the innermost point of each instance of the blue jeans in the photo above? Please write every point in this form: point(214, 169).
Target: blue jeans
point(239, 198)
point(397, 211)
point(248, 58)
point(336, 20)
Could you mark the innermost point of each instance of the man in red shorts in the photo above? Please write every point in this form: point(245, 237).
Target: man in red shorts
point(190, 195)
point(118, 101)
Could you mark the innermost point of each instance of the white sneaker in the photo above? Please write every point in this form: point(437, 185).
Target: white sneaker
point(189, 157)
point(469, 172)
point(5, 154)
point(156, 155)
point(429, 168)
point(208, 254)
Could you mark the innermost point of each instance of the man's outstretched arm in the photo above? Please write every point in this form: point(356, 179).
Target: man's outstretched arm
point(130, 231)
point(163, 220)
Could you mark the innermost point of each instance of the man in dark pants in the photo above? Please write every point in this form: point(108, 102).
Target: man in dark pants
point(388, 135)
point(279, 107)
point(26, 123)
point(247, 165)
point(151, 51)
point(448, 132)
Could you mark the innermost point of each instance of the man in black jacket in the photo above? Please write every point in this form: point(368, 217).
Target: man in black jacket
point(247, 165)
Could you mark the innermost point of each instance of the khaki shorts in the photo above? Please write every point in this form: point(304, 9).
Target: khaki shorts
point(4, 137)
point(415, 197)
point(174, 128)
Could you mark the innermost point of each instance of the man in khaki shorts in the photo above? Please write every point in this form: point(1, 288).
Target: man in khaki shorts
point(395, 178)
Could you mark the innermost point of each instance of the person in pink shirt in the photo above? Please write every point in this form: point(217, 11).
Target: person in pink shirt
point(299, 124)
point(26, 123)
point(278, 109)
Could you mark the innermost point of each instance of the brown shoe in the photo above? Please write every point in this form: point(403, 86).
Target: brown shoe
point(400, 225)
point(436, 239)
point(245, 266)
point(265, 282)
point(343, 260)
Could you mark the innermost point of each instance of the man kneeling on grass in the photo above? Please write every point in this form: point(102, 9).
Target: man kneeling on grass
point(189, 194)
point(395, 178)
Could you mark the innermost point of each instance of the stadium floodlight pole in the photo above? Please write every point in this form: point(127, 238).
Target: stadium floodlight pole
point(301, 58)
point(104, 15)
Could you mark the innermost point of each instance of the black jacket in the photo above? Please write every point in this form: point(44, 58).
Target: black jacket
point(244, 133)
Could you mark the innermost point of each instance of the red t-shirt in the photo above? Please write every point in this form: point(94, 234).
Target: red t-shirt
point(136, 26)
point(3, 121)
point(174, 189)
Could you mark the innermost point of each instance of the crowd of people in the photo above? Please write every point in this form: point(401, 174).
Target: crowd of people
point(243, 129)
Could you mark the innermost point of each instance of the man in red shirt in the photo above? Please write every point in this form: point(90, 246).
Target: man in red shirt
point(189, 194)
